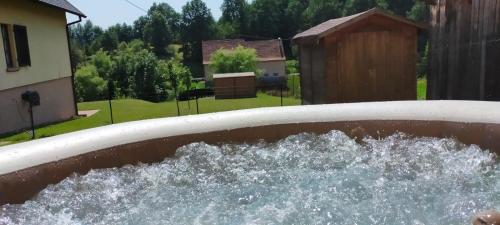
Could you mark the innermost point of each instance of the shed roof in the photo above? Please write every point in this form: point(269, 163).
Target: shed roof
point(234, 75)
point(63, 5)
point(268, 50)
point(334, 25)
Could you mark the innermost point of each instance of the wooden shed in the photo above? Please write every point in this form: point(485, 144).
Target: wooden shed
point(464, 51)
point(235, 85)
point(370, 56)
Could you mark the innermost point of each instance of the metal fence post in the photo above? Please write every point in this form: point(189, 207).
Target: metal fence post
point(33, 135)
point(111, 93)
point(197, 106)
point(281, 94)
point(177, 102)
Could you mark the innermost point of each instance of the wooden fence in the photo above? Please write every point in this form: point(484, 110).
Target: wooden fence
point(465, 50)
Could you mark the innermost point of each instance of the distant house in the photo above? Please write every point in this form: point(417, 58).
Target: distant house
point(270, 54)
point(35, 57)
point(370, 56)
point(464, 50)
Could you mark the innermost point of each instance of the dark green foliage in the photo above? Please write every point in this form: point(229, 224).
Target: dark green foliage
point(292, 67)
point(234, 20)
point(157, 34)
point(123, 32)
point(108, 41)
point(234, 61)
point(419, 12)
point(267, 17)
point(423, 64)
point(89, 86)
point(320, 11)
point(357, 6)
point(197, 25)
point(138, 28)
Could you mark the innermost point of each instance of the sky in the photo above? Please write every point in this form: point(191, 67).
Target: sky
point(105, 13)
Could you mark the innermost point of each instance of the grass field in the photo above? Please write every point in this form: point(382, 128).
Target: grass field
point(126, 110)
point(422, 89)
point(131, 110)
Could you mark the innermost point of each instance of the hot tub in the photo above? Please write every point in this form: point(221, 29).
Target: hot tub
point(471, 129)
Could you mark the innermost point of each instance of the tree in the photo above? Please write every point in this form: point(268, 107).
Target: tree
point(85, 35)
point(103, 64)
point(171, 17)
point(401, 7)
point(157, 34)
point(295, 16)
point(419, 12)
point(88, 85)
point(123, 69)
point(357, 6)
point(136, 73)
point(123, 32)
point(235, 14)
point(319, 11)
point(197, 25)
point(77, 54)
point(423, 63)
point(240, 59)
point(108, 41)
point(145, 76)
point(266, 18)
point(138, 27)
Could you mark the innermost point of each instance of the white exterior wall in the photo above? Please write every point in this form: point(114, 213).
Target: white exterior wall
point(271, 67)
point(48, 46)
point(49, 73)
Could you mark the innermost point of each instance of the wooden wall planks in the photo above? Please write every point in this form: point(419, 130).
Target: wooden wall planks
point(465, 50)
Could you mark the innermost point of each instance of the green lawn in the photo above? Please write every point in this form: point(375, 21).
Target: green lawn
point(130, 110)
point(422, 89)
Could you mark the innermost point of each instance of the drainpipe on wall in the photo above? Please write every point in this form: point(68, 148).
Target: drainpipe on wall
point(71, 63)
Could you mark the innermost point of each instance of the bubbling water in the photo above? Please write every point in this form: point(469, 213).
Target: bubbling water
point(303, 179)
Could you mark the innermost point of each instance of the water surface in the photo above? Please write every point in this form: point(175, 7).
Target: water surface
point(303, 179)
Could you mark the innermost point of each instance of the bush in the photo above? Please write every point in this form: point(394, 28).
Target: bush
point(103, 63)
point(89, 86)
point(238, 60)
point(293, 84)
point(292, 67)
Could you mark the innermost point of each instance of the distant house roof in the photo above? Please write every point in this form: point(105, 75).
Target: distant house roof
point(63, 5)
point(268, 50)
point(233, 75)
point(334, 25)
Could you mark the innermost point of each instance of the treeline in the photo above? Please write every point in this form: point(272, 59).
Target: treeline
point(171, 38)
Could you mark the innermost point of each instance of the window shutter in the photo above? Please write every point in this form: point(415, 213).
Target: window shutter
point(22, 47)
point(6, 45)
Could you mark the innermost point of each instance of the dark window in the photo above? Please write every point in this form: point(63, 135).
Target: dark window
point(22, 47)
point(6, 45)
point(275, 74)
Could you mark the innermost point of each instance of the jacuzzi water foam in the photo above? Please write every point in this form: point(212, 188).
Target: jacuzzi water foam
point(303, 179)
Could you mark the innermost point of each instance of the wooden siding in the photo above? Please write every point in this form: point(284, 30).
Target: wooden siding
point(312, 66)
point(465, 50)
point(373, 66)
point(372, 60)
point(235, 87)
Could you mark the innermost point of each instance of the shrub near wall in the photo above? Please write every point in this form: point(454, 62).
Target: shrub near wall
point(237, 60)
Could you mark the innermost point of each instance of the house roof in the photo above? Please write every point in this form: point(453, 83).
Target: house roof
point(63, 5)
point(233, 75)
point(334, 25)
point(268, 50)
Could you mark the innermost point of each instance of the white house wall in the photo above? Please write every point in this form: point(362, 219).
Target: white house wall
point(48, 46)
